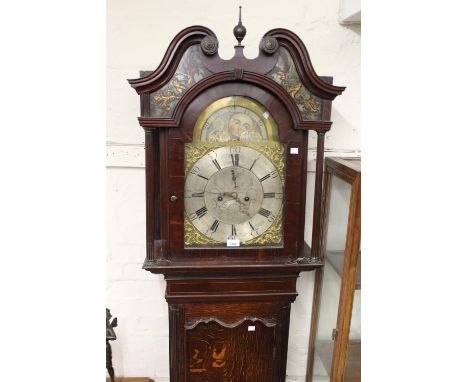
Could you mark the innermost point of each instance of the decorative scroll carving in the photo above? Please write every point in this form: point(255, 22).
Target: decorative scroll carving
point(270, 322)
point(209, 45)
point(286, 75)
point(189, 72)
point(305, 260)
point(269, 45)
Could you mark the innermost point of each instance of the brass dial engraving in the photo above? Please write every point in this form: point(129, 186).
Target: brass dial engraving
point(233, 191)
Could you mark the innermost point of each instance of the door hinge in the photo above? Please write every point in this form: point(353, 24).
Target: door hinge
point(334, 334)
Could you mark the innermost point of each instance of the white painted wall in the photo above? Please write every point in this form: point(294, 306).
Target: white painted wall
point(138, 33)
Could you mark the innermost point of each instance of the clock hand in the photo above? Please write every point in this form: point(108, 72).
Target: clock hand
point(234, 177)
point(219, 193)
point(236, 198)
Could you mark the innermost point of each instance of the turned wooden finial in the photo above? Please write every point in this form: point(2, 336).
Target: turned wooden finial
point(239, 30)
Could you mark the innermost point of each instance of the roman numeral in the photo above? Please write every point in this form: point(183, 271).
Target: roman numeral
point(215, 225)
point(253, 164)
point(215, 162)
point(235, 159)
point(201, 212)
point(251, 226)
point(201, 176)
point(198, 194)
point(269, 194)
point(264, 212)
point(265, 177)
point(233, 230)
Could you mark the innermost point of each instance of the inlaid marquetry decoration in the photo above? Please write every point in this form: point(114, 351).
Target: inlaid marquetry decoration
point(226, 354)
point(286, 75)
point(189, 71)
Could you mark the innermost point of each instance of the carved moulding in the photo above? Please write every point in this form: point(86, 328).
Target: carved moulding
point(192, 324)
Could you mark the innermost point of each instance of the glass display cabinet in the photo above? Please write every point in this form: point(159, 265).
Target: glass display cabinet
point(335, 332)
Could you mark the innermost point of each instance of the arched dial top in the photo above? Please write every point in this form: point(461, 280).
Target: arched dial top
point(235, 192)
point(235, 118)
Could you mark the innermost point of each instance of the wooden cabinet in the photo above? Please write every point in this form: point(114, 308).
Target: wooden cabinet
point(226, 146)
point(335, 338)
point(233, 329)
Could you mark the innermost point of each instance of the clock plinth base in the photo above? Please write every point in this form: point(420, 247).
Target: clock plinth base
point(229, 326)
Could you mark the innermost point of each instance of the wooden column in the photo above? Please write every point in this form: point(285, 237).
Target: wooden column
point(315, 247)
point(150, 195)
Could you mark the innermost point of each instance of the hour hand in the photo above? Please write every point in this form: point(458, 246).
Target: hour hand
point(234, 177)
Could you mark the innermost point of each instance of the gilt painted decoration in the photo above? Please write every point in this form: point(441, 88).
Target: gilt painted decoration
point(189, 71)
point(286, 75)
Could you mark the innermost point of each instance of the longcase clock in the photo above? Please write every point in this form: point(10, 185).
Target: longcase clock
point(226, 165)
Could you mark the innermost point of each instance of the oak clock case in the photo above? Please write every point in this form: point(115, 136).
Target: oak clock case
point(226, 144)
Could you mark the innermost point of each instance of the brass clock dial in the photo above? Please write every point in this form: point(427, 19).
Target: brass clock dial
point(233, 192)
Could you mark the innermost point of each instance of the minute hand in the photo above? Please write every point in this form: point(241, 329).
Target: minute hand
point(219, 193)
